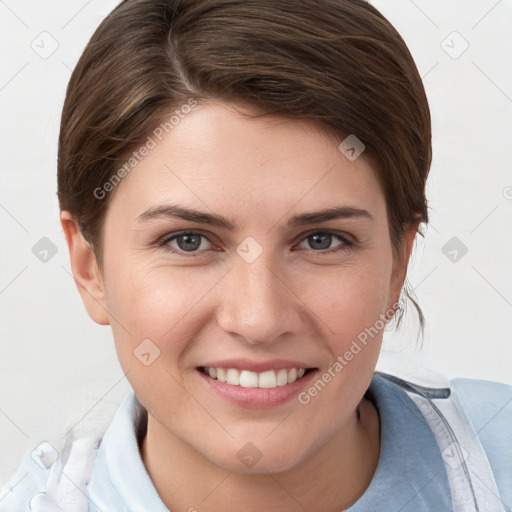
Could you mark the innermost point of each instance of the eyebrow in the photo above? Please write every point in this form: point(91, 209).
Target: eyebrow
point(173, 211)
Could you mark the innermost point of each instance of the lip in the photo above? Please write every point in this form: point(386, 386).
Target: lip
point(257, 398)
point(258, 366)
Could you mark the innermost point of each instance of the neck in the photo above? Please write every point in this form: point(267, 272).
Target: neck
point(332, 479)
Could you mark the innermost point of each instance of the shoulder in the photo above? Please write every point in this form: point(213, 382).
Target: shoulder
point(487, 403)
point(50, 475)
point(28, 480)
point(479, 412)
point(488, 407)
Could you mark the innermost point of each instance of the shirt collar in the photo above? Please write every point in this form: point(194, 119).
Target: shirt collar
point(119, 480)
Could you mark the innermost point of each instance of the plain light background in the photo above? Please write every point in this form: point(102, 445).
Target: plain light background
point(57, 367)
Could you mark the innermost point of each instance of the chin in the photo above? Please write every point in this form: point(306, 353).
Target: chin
point(259, 459)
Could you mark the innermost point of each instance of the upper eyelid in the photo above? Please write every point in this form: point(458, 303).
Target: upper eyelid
point(341, 234)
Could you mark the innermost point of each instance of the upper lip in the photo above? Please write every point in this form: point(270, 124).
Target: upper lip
point(257, 366)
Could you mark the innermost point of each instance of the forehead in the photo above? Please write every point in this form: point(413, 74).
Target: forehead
point(217, 156)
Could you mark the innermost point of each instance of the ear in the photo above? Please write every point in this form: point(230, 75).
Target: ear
point(400, 264)
point(85, 270)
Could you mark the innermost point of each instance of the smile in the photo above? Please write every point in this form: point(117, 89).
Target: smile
point(248, 379)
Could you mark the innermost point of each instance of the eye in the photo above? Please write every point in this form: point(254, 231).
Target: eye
point(319, 241)
point(185, 242)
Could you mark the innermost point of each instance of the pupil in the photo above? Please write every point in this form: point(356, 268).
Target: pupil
point(324, 239)
point(190, 242)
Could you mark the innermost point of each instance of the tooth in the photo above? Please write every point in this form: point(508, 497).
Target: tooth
point(267, 379)
point(282, 377)
point(248, 379)
point(233, 377)
point(292, 375)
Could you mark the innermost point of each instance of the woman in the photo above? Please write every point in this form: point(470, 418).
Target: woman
point(241, 184)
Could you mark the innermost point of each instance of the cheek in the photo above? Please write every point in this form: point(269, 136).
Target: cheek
point(349, 299)
point(156, 303)
point(350, 308)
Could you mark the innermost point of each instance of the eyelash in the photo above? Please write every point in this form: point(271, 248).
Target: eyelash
point(346, 245)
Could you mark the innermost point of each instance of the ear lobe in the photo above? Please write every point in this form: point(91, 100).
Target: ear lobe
point(85, 270)
point(401, 263)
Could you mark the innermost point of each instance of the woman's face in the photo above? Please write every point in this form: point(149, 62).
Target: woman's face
point(256, 283)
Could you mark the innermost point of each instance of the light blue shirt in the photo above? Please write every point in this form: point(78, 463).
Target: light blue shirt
point(410, 475)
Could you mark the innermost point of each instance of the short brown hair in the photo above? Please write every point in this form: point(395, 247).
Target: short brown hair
point(337, 62)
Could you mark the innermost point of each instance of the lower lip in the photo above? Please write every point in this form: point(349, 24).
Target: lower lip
point(257, 398)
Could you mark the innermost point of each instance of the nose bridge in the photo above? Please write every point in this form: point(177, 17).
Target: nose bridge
point(261, 280)
point(259, 306)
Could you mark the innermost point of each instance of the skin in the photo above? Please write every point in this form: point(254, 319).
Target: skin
point(292, 302)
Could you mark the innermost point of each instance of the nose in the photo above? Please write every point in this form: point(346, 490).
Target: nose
point(259, 304)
